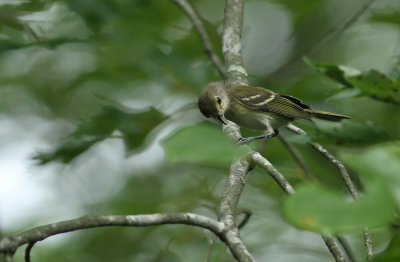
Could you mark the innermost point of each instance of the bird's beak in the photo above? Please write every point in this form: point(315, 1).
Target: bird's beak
point(222, 119)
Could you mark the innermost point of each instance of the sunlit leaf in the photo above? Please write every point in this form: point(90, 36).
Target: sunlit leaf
point(202, 143)
point(321, 210)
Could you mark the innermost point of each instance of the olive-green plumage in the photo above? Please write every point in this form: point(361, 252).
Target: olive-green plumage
point(256, 107)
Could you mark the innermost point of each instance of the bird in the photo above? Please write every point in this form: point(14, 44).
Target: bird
point(256, 108)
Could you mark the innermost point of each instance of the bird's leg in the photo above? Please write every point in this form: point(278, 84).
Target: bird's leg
point(244, 140)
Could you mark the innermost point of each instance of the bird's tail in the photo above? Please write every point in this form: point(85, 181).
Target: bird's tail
point(326, 115)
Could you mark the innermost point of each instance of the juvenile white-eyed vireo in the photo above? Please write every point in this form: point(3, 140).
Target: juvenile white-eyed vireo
point(256, 108)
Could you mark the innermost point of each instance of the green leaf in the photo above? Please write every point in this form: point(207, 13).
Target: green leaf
point(66, 152)
point(371, 83)
point(202, 143)
point(332, 71)
point(349, 133)
point(134, 127)
point(319, 209)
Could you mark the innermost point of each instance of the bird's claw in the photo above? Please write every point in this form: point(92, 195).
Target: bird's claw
point(243, 140)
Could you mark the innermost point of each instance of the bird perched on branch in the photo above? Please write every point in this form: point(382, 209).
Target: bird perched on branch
point(256, 108)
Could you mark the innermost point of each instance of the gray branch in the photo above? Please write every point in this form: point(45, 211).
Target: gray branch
point(236, 181)
point(9, 245)
point(346, 178)
point(199, 27)
point(231, 42)
point(276, 175)
point(234, 185)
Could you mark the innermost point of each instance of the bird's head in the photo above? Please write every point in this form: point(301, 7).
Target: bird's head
point(213, 101)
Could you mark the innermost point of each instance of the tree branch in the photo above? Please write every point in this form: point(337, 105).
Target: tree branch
point(231, 42)
point(334, 248)
point(28, 251)
point(199, 27)
point(346, 178)
point(11, 243)
point(236, 181)
point(234, 185)
point(276, 175)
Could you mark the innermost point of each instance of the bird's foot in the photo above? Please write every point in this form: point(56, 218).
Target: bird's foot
point(245, 140)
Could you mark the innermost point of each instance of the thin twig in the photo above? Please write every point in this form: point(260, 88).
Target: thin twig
point(368, 244)
point(296, 156)
point(199, 27)
point(28, 251)
point(346, 178)
point(346, 247)
point(210, 248)
point(258, 159)
point(247, 214)
point(334, 248)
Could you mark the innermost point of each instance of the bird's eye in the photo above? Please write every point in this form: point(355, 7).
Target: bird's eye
point(219, 100)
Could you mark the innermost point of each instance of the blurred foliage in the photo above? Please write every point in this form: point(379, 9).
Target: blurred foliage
point(392, 253)
point(379, 163)
point(349, 133)
point(202, 144)
point(331, 213)
point(106, 71)
point(133, 129)
point(391, 17)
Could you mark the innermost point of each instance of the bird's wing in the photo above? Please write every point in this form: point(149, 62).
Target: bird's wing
point(265, 100)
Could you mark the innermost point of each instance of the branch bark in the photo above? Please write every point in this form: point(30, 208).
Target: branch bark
point(234, 186)
point(231, 42)
point(10, 244)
